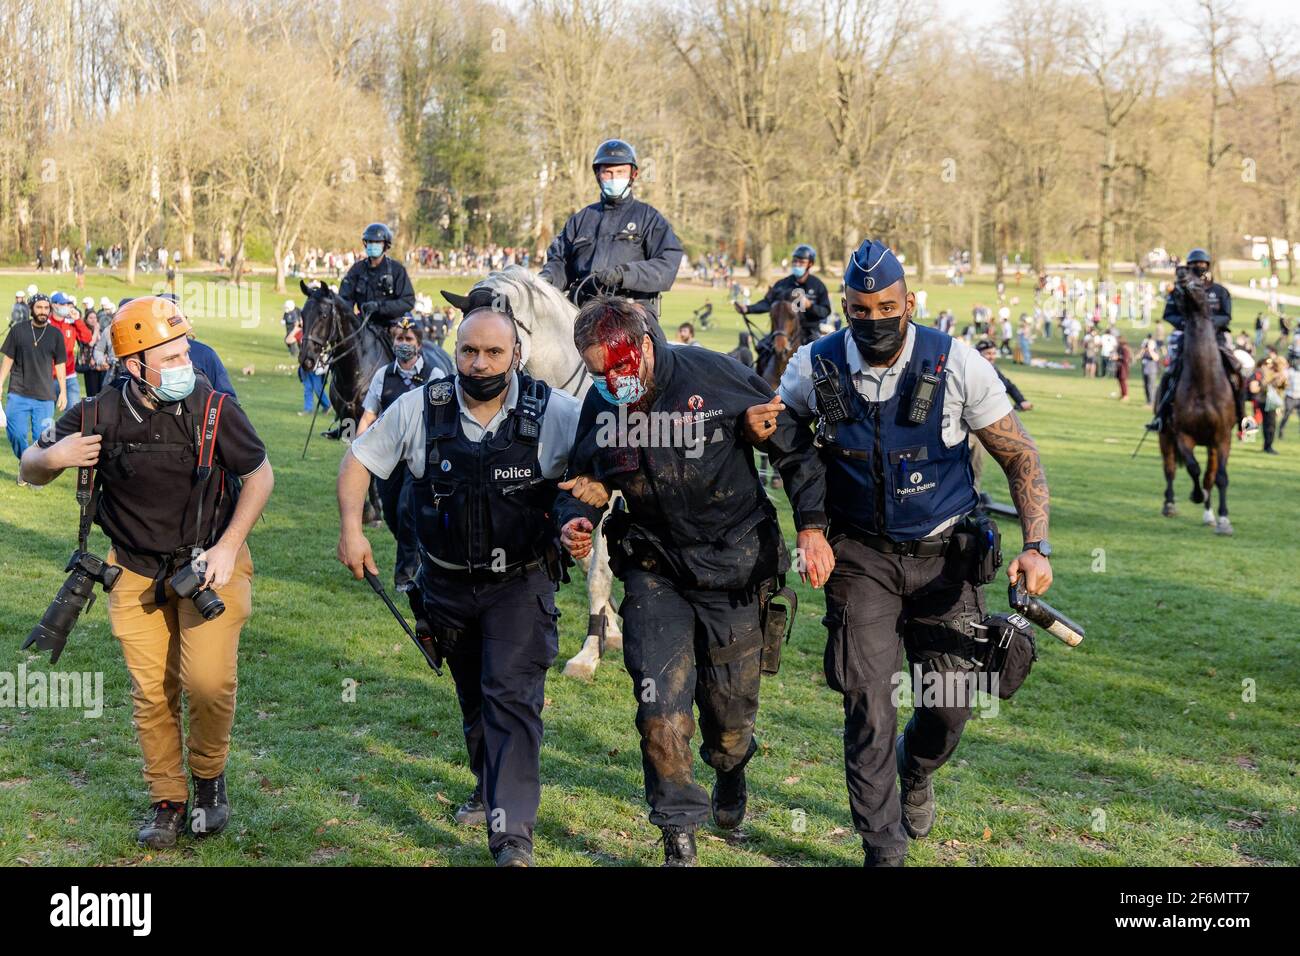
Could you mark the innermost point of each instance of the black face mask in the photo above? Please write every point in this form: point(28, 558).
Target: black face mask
point(878, 340)
point(486, 388)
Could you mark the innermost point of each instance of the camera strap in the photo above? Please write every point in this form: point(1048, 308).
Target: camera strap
point(86, 476)
point(206, 433)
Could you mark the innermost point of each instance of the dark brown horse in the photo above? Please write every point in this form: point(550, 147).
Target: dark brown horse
point(779, 345)
point(1204, 410)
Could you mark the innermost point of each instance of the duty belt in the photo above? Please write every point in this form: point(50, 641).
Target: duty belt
point(931, 547)
point(486, 575)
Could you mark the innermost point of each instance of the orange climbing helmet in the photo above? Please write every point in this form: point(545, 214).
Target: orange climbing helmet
point(145, 322)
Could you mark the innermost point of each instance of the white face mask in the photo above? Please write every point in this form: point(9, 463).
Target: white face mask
point(614, 188)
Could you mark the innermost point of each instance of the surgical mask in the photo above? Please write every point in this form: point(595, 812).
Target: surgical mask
point(486, 388)
point(405, 352)
point(629, 390)
point(878, 339)
point(176, 383)
point(374, 249)
point(613, 188)
point(798, 271)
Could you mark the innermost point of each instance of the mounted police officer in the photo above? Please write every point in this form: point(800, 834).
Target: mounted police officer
point(882, 496)
point(377, 286)
point(484, 451)
point(1219, 304)
point(178, 477)
point(802, 289)
point(618, 245)
point(698, 549)
point(390, 382)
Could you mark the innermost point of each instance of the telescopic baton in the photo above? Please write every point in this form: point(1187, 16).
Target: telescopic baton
point(426, 646)
point(1043, 614)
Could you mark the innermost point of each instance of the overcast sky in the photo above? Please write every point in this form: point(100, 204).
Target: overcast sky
point(1172, 14)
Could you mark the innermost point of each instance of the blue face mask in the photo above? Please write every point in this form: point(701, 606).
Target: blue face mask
point(177, 383)
point(374, 249)
point(630, 390)
point(798, 271)
point(613, 188)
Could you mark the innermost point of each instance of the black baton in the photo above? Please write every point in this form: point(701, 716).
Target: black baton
point(425, 646)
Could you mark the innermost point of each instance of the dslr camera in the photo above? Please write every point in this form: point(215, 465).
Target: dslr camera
point(188, 583)
point(76, 595)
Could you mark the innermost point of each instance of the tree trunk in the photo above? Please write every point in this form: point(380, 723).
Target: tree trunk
point(923, 260)
point(976, 228)
point(1105, 223)
point(185, 206)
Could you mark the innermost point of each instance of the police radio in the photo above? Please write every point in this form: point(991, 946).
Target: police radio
point(927, 386)
point(830, 397)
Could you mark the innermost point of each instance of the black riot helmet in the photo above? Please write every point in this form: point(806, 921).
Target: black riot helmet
point(378, 232)
point(1199, 256)
point(613, 152)
point(804, 251)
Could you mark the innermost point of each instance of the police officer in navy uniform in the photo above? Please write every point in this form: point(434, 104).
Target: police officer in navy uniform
point(801, 287)
point(377, 286)
point(617, 245)
point(880, 497)
point(1219, 304)
point(485, 450)
point(407, 371)
point(697, 549)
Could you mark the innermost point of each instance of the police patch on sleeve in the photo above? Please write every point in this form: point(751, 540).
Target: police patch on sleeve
point(439, 393)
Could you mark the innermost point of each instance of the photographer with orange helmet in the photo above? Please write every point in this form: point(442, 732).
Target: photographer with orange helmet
point(175, 475)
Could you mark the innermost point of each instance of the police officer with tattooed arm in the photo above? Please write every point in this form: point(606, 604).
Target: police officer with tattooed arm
point(484, 451)
point(873, 449)
point(698, 549)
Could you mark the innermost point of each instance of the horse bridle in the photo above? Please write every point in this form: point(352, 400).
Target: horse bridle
point(331, 351)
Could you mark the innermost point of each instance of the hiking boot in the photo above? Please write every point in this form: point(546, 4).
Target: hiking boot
point(472, 813)
point(513, 853)
point(873, 857)
point(211, 810)
point(916, 795)
point(679, 846)
point(168, 821)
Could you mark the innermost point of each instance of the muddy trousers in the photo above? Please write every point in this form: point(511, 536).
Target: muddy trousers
point(878, 605)
point(682, 648)
point(508, 638)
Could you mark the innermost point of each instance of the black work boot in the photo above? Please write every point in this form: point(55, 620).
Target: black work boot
point(730, 795)
point(211, 810)
point(873, 857)
point(679, 846)
point(513, 853)
point(167, 823)
point(472, 813)
point(916, 794)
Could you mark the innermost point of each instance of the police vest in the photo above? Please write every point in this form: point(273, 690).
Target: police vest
point(395, 385)
point(484, 505)
point(885, 475)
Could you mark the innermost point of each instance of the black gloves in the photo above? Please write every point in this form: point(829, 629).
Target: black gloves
point(610, 278)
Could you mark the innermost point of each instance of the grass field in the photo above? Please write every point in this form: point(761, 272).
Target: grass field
point(1167, 738)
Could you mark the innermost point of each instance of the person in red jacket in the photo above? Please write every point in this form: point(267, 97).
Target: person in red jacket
point(68, 320)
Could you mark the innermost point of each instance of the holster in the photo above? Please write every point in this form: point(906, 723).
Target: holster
point(777, 607)
point(978, 543)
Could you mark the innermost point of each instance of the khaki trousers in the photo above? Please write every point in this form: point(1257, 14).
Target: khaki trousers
point(169, 648)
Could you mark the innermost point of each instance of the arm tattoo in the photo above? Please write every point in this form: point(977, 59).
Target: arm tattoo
point(1009, 443)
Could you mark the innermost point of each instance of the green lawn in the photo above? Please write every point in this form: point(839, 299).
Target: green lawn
point(1138, 748)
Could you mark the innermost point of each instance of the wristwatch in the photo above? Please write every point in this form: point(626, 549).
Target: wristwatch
point(1042, 547)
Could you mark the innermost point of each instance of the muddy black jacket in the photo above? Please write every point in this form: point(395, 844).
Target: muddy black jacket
point(691, 490)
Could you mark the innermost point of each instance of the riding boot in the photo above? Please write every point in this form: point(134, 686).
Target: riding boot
point(1164, 398)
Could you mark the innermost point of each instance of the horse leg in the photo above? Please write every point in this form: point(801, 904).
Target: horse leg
point(1187, 449)
point(1211, 471)
point(1169, 510)
point(1224, 526)
point(602, 626)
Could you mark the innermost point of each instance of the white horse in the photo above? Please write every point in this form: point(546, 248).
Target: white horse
point(544, 318)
